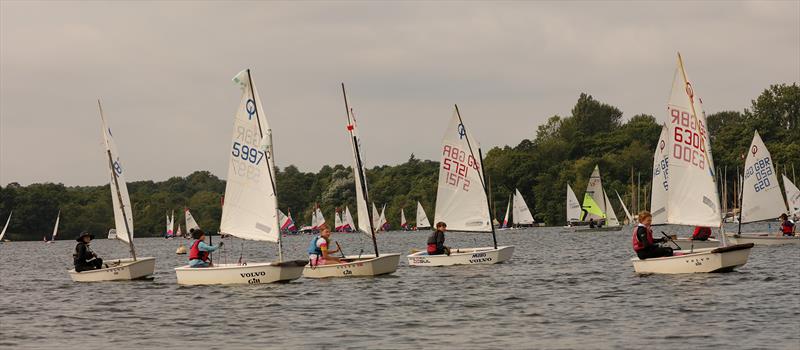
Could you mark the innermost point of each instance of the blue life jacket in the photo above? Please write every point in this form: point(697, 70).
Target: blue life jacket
point(312, 248)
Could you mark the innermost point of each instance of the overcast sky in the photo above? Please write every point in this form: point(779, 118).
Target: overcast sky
point(163, 71)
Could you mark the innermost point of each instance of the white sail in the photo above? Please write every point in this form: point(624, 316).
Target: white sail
point(422, 218)
point(627, 213)
point(382, 219)
point(359, 174)
point(191, 224)
point(522, 215)
point(55, 227)
point(611, 216)
point(117, 168)
point(574, 212)
point(692, 196)
point(337, 221)
point(319, 217)
point(250, 207)
point(594, 200)
point(762, 198)
point(3, 234)
point(348, 219)
point(403, 222)
point(461, 200)
point(508, 210)
point(658, 196)
point(792, 196)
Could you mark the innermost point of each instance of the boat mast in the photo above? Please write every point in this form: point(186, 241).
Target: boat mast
point(116, 187)
point(483, 175)
point(360, 172)
point(269, 167)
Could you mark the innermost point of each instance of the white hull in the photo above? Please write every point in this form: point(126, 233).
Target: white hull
point(252, 273)
point(763, 238)
point(688, 243)
point(118, 270)
point(699, 261)
point(366, 265)
point(596, 229)
point(463, 256)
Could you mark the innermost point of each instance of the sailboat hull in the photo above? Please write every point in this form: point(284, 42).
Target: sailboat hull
point(251, 273)
point(763, 238)
point(118, 270)
point(707, 260)
point(463, 256)
point(365, 265)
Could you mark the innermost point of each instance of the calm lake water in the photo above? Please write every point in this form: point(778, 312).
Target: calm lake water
point(560, 291)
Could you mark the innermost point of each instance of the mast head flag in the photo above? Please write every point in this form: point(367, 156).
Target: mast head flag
point(692, 198)
point(461, 198)
point(249, 210)
point(117, 170)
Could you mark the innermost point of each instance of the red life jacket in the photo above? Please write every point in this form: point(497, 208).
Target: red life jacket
point(637, 246)
point(195, 253)
point(432, 248)
point(701, 232)
point(787, 227)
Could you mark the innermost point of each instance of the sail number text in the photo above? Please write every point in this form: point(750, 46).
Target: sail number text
point(247, 153)
point(457, 163)
point(689, 138)
point(762, 169)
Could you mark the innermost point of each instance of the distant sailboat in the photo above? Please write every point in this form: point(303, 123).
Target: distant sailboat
point(337, 219)
point(627, 213)
point(762, 199)
point(349, 224)
point(361, 264)
point(691, 193)
point(119, 269)
point(574, 212)
point(521, 213)
point(55, 228)
point(383, 225)
point(597, 206)
point(287, 224)
point(462, 200)
point(250, 209)
point(3, 234)
point(508, 210)
point(171, 226)
point(191, 223)
point(403, 222)
point(422, 218)
point(792, 196)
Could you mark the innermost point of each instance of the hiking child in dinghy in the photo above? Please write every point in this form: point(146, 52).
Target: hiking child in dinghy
point(436, 240)
point(199, 253)
point(643, 243)
point(787, 226)
point(84, 258)
point(318, 252)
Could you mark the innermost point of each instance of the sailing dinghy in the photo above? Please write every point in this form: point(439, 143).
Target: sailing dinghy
point(505, 224)
point(3, 233)
point(792, 197)
point(462, 201)
point(250, 210)
point(522, 215)
point(762, 199)
point(422, 221)
point(118, 269)
point(597, 206)
point(361, 264)
point(691, 198)
point(55, 228)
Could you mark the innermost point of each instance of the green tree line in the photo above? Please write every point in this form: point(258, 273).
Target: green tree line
point(562, 151)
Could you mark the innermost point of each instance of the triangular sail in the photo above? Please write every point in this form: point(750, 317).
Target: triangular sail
point(403, 222)
point(376, 218)
point(762, 198)
point(250, 208)
point(191, 224)
point(593, 199)
point(461, 197)
point(658, 196)
point(349, 224)
point(3, 234)
point(792, 196)
point(508, 209)
point(320, 217)
point(422, 218)
point(574, 212)
point(522, 215)
point(627, 213)
point(55, 227)
point(611, 216)
point(117, 168)
point(337, 221)
point(692, 197)
point(382, 219)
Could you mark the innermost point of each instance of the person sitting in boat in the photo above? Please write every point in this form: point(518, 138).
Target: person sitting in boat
point(84, 258)
point(787, 226)
point(701, 233)
point(318, 252)
point(436, 240)
point(592, 224)
point(643, 243)
point(200, 250)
